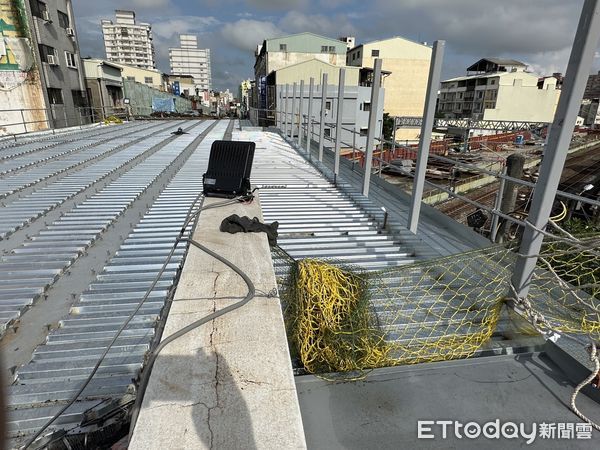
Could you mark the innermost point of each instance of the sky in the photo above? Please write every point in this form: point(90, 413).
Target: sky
point(537, 32)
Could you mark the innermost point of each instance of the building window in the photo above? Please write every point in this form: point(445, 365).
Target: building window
point(366, 106)
point(363, 131)
point(358, 54)
point(353, 56)
point(480, 94)
point(71, 60)
point(327, 132)
point(328, 104)
point(45, 52)
point(55, 96)
point(331, 49)
point(323, 49)
point(63, 19)
point(148, 80)
point(130, 78)
point(38, 8)
point(492, 82)
point(124, 32)
point(374, 53)
point(79, 99)
point(283, 47)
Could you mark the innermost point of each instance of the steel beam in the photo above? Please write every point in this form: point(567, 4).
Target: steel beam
point(311, 89)
point(578, 70)
point(323, 115)
point(293, 112)
point(285, 109)
point(338, 123)
point(300, 108)
point(372, 125)
point(435, 72)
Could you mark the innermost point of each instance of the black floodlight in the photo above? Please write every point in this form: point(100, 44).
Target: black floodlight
point(477, 219)
point(229, 166)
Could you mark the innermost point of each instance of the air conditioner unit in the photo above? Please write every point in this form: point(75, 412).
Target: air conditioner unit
point(46, 16)
point(52, 60)
point(70, 31)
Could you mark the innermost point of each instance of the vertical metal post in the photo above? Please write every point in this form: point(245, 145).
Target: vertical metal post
point(394, 137)
point(311, 88)
point(372, 125)
point(293, 112)
point(353, 147)
point(24, 121)
point(323, 115)
point(435, 71)
point(300, 107)
point(555, 154)
point(338, 123)
point(279, 108)
point(285, 110)
point(497, 205)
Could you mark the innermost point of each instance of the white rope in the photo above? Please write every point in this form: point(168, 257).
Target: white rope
point(542, 326)
point(586, 382)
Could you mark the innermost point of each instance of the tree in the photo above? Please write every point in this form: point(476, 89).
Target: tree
point(388, 126)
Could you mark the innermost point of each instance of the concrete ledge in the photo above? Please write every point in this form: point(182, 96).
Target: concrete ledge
point(228, 384)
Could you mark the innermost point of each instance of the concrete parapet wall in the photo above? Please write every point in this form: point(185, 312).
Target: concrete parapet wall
point(228, 384)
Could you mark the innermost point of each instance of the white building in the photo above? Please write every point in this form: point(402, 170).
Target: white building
point(128, 42)
point(357, 100)
point(499, 89)
point(349, 40)
point(188, 59)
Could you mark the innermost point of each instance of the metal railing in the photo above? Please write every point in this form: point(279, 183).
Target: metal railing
point(17, 122)
point(306, 132)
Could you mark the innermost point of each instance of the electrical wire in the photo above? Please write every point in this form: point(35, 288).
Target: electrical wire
point(191, 216)
point(146, 376)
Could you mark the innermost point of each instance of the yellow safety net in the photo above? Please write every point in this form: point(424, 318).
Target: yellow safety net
point(342, 319)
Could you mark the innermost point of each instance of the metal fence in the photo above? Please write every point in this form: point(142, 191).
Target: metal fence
point(306, 131)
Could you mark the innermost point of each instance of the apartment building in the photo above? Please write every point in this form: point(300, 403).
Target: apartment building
point(104, 86)
point(350, 41)
point(499, 89)
point(40, 66)
point(407, 64)
point(357, 98)
point(188, 59)
point(128, 42)
point(150, 77)
point(592, 89)
point(277, 53)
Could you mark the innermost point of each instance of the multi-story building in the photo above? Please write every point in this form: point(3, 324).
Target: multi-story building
point(499, 89)
point(592, 90)
point(285, 51)
point(128, 42)
point(150, 77)
point(244, 96)
point(188, 59)
point(40, 66)
point(349, 40)
point(357, 99)
point(407, 63)
point(104, 86)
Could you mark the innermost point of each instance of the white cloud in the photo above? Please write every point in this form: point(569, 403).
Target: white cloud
point(297, 22)
point(278, 4)
point(246, 34)
point(175, 25)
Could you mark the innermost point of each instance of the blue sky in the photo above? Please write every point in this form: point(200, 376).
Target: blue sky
point(538, 32)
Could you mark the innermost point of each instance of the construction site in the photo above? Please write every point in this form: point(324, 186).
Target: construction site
point(185, 280)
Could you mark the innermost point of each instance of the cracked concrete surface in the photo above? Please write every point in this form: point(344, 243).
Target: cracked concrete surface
point(228, 384)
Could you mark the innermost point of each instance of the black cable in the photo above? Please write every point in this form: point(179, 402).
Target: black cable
point(148, 369)
point(135, 311)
